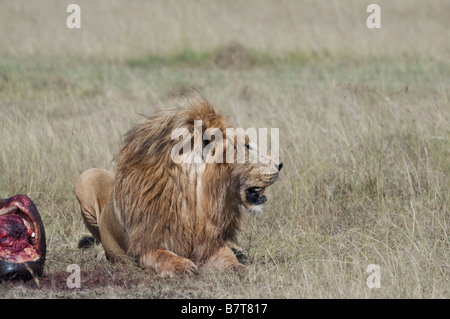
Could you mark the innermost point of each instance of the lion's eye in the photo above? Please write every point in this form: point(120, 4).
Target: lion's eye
point(247, 146)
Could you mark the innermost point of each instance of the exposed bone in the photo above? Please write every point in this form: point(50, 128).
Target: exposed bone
point(8, 210)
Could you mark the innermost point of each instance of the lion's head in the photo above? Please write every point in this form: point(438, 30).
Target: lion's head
point(183, 177)
point(257, 175)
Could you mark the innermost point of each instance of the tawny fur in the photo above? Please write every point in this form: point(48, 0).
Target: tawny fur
point(173, 218)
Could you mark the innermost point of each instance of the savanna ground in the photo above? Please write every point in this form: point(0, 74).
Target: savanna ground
point(364, 119)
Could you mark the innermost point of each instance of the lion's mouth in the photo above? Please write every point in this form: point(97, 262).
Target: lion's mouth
point(255, 195)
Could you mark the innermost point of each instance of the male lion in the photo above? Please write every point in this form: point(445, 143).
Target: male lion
point(175, 216)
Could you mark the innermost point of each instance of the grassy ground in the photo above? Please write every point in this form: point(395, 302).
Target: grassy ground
point(364, 118)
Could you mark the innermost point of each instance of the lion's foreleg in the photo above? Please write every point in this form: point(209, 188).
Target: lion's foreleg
point(223, 259)
point(166, 263)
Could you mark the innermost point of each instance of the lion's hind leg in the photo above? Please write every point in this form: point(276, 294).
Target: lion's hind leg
point(92, 189)
point(166, 263)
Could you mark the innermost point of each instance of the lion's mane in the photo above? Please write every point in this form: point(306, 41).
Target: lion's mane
point(190, 209)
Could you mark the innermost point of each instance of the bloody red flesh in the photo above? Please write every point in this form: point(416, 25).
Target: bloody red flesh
point(22, 239)
point(16, 240)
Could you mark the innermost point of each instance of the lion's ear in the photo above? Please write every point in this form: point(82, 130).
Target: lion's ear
point(211, 135)
point(206, 142)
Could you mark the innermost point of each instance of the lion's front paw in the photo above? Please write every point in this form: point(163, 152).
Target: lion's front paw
point(224, 259)
point(177, 266)
point(167, 264)
point(225, 265)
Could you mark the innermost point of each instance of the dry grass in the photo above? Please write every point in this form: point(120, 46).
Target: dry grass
point(364, 118)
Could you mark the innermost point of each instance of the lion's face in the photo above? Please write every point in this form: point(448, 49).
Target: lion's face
point(260, 170)
point(251, 167)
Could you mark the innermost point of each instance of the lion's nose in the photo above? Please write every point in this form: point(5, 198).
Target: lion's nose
point(279, 166)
